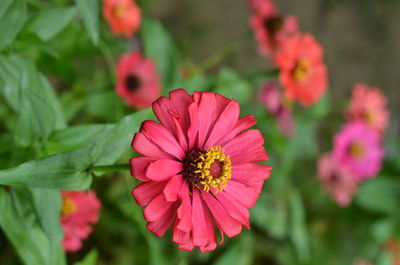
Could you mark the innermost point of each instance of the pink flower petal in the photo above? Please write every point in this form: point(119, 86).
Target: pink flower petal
point(188, 246)
point(146, 147)
point(157, 208)
point(242, 193)
point(256, 155)
point(160, 226)
point(250, 173)
point(138, 167)
point(212, 240)
point(194, 124)
point(147, 191)
point(234, 208)
point(182, 100)
point(184, 212)
point(178, 236)
point(163, 169)
point(199, 231)
point(224, 124)
point(163, 138)
point(244, 142)
point(225, 222)
point(162, 107)
point(172, 188)
point(206, 115)
point(241, 125)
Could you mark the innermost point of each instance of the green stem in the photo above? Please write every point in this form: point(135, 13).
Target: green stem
point(108, 57)
point(110, 168)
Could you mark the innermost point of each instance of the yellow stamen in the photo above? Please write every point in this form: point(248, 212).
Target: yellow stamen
point(213, 155)
point(357, 150)
point(119, 11)
point(302, 70)
point(68, 207)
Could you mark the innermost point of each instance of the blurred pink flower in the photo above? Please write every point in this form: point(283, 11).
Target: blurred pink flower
point(368, 104)
point(198, 168)
point(123, 16)
point(303, 73)
point(271, 29)
point(336, 180)
point(272, 99)
point(357, 148)
point(80, 210)
point(137, 80)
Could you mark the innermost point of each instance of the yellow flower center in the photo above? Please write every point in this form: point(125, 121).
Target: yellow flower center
point(207, 169)
point(302, 70)
point(357, 150)
point(68, 207)
point(119, 11)
point(369, 117)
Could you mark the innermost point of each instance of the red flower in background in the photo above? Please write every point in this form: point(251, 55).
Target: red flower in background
point(271, 29)
point(198, 168)
point(123, 16)
point(368, 104)
point(336, 180)
point(303, 73)
point(80, 210)
point(137, 80)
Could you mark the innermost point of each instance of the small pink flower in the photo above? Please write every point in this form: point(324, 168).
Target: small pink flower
point(198, 168)
point(368, 104)
point(80, 210)
point(357, 148)
point(336, 180)
point(123, 16)
point(273, 101)
point(303, 73)
point(271, 29)
point(137, 80)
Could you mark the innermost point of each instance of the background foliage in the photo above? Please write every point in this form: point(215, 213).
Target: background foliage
point(60, 117)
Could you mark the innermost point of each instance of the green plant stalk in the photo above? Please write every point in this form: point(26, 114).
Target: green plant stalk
point(110, 168)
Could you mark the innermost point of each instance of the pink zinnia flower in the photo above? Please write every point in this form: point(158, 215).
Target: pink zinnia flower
point(124, 16)
point(368, 104)
point(80, 210)
point(336, 180)
point(357, 148)
point(271, 29)
point(273, 101)
point(137, 80)
point(198, 168)
point(303, 73)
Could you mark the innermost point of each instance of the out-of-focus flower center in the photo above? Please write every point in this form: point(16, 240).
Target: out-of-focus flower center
point(68, 207)
point(302, 70)
point(273, 24)
point(132, 83)
point(357, 149)
point(207, 169)
point(369, 117)
point(119, 10)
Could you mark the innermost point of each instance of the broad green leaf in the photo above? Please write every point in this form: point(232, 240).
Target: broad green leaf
point(13, 14)
point(19, 223)
point(298, 229)
point(90, 258)
point(70, 170)
point(89, 10)
point(231, 85)
point(158, 45)
point(50, 22)
point(104, 105)
point(381, 194)
point(382, 230)
point(73, 137)
point(31, 96)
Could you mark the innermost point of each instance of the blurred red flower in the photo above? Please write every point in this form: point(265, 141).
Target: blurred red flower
point(137, 80)
point(124, 16)
point(271, 29)
point(80, 210)
point(198, 168)
point(336, 180)
point(368, 104)
point(303, 72)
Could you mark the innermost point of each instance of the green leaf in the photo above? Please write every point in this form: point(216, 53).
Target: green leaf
point(50, 22)
point(70, 170)
point(158, 45)
point(298, 231)
point(381, 194)
point(31, 96)
point(13, 14)
point(19, 223)
point(231, 85)
point(89, 10)
point(90, 258)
